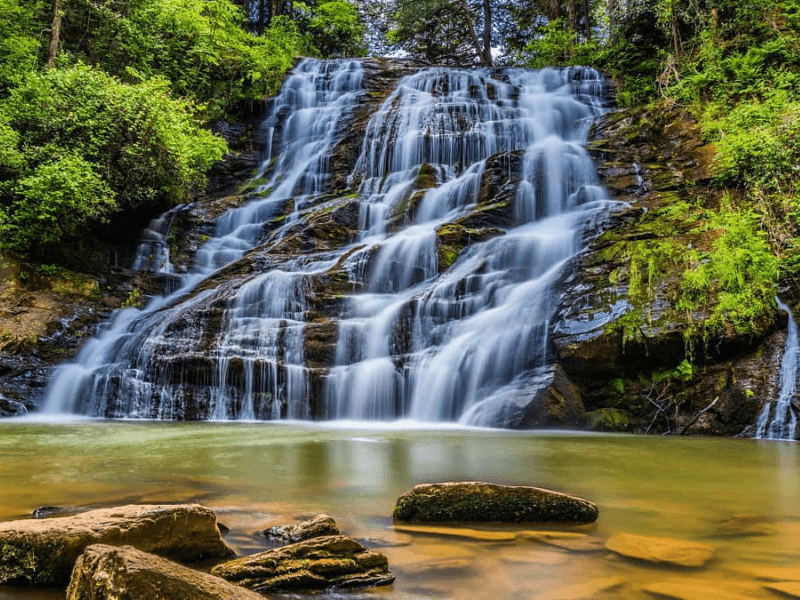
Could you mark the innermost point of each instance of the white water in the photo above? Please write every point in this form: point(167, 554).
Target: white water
point(778, 419)
point(419, 343)
point(475, 332)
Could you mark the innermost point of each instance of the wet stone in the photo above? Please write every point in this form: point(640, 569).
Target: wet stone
point(316, 527)
point(487, 502)
point(42, 552)
point(124, 573)
point(321, 563)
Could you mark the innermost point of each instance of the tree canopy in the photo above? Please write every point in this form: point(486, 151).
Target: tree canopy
point(103, 115)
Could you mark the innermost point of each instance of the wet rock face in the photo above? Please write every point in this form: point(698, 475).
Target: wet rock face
point(546, 399)
point(42, 552)
point(476, 502)
point(610, 337)
point(105, 572)
point(317, 564)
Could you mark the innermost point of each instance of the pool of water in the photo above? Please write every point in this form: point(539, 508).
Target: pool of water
point(740, 496)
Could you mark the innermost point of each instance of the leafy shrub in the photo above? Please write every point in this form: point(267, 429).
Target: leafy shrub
point(130, 148)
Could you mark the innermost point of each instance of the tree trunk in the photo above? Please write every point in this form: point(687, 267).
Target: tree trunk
point(55, 34)
point(572, 17)
point(553, 10)
point(587, 17)
point(474, 36)
point(675, 36)
point(487, 33)
point(612, 22)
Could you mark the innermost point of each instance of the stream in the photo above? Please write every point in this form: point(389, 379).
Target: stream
point(740, 496)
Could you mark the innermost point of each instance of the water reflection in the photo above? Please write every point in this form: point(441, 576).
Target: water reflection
point(741, 496)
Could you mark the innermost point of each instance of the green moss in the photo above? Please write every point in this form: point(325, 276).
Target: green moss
point(608, 419)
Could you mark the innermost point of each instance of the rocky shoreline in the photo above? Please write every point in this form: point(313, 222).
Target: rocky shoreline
point(144, 552)
point(139, 552)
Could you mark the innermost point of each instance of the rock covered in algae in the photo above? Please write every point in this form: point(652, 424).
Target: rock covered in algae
point(486, 502)
point(316, 527)
point(661, 550)
point(43, 551)
point(124, 573)
point(335, 561)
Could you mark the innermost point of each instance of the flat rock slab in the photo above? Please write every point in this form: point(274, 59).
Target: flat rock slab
point(124, 573)
point(43, 551)
point(573, 542)
point(585, 590)
point(488, 502)
point(701, 590)
point(772, 573)
point(320, 563)
point(317, 527)
point(789, 589)
point(661, 550)
point(459, 532)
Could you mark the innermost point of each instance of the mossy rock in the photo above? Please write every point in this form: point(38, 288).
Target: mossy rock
point(608, 419)
point(328, 562)
point(487, 502)
point(42, 552)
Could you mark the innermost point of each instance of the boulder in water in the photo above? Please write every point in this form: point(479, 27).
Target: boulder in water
point(486, 502)
point(317, 527)
point(42, 552)
point(124, 573)
point(335, 561)
point(545, 399)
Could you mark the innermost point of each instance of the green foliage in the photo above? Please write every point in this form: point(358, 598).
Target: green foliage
point(555, 45)
point(433, 29)
point(53, 203)
point(76, 145)
point(18, 44)
point(736, 280)
point(334, 28)
point(200, 46)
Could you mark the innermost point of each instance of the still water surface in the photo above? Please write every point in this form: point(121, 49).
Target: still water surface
point(741, 496)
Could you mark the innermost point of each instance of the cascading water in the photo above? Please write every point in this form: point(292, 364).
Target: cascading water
point(478, 330)
point(473, 192)
point(118, 374)
point(778, 419)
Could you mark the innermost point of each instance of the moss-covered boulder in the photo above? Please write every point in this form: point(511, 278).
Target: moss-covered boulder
point(124, 573)
point(487, 502)
point(42, 552)
point(321, 563)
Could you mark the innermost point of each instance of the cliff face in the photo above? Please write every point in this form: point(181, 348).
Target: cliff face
point(622, 333)
point(621, 336)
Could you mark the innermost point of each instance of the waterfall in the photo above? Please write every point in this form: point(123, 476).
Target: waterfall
point(121, 372)
point(471, 191)
point(778, 419)
point(476, 331)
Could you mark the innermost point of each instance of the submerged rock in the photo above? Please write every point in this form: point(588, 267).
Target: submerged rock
point(661, 550)
point(124, 573)
point(317, 527)
point(335, 561)
point(43, 551)
point(473, 501)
